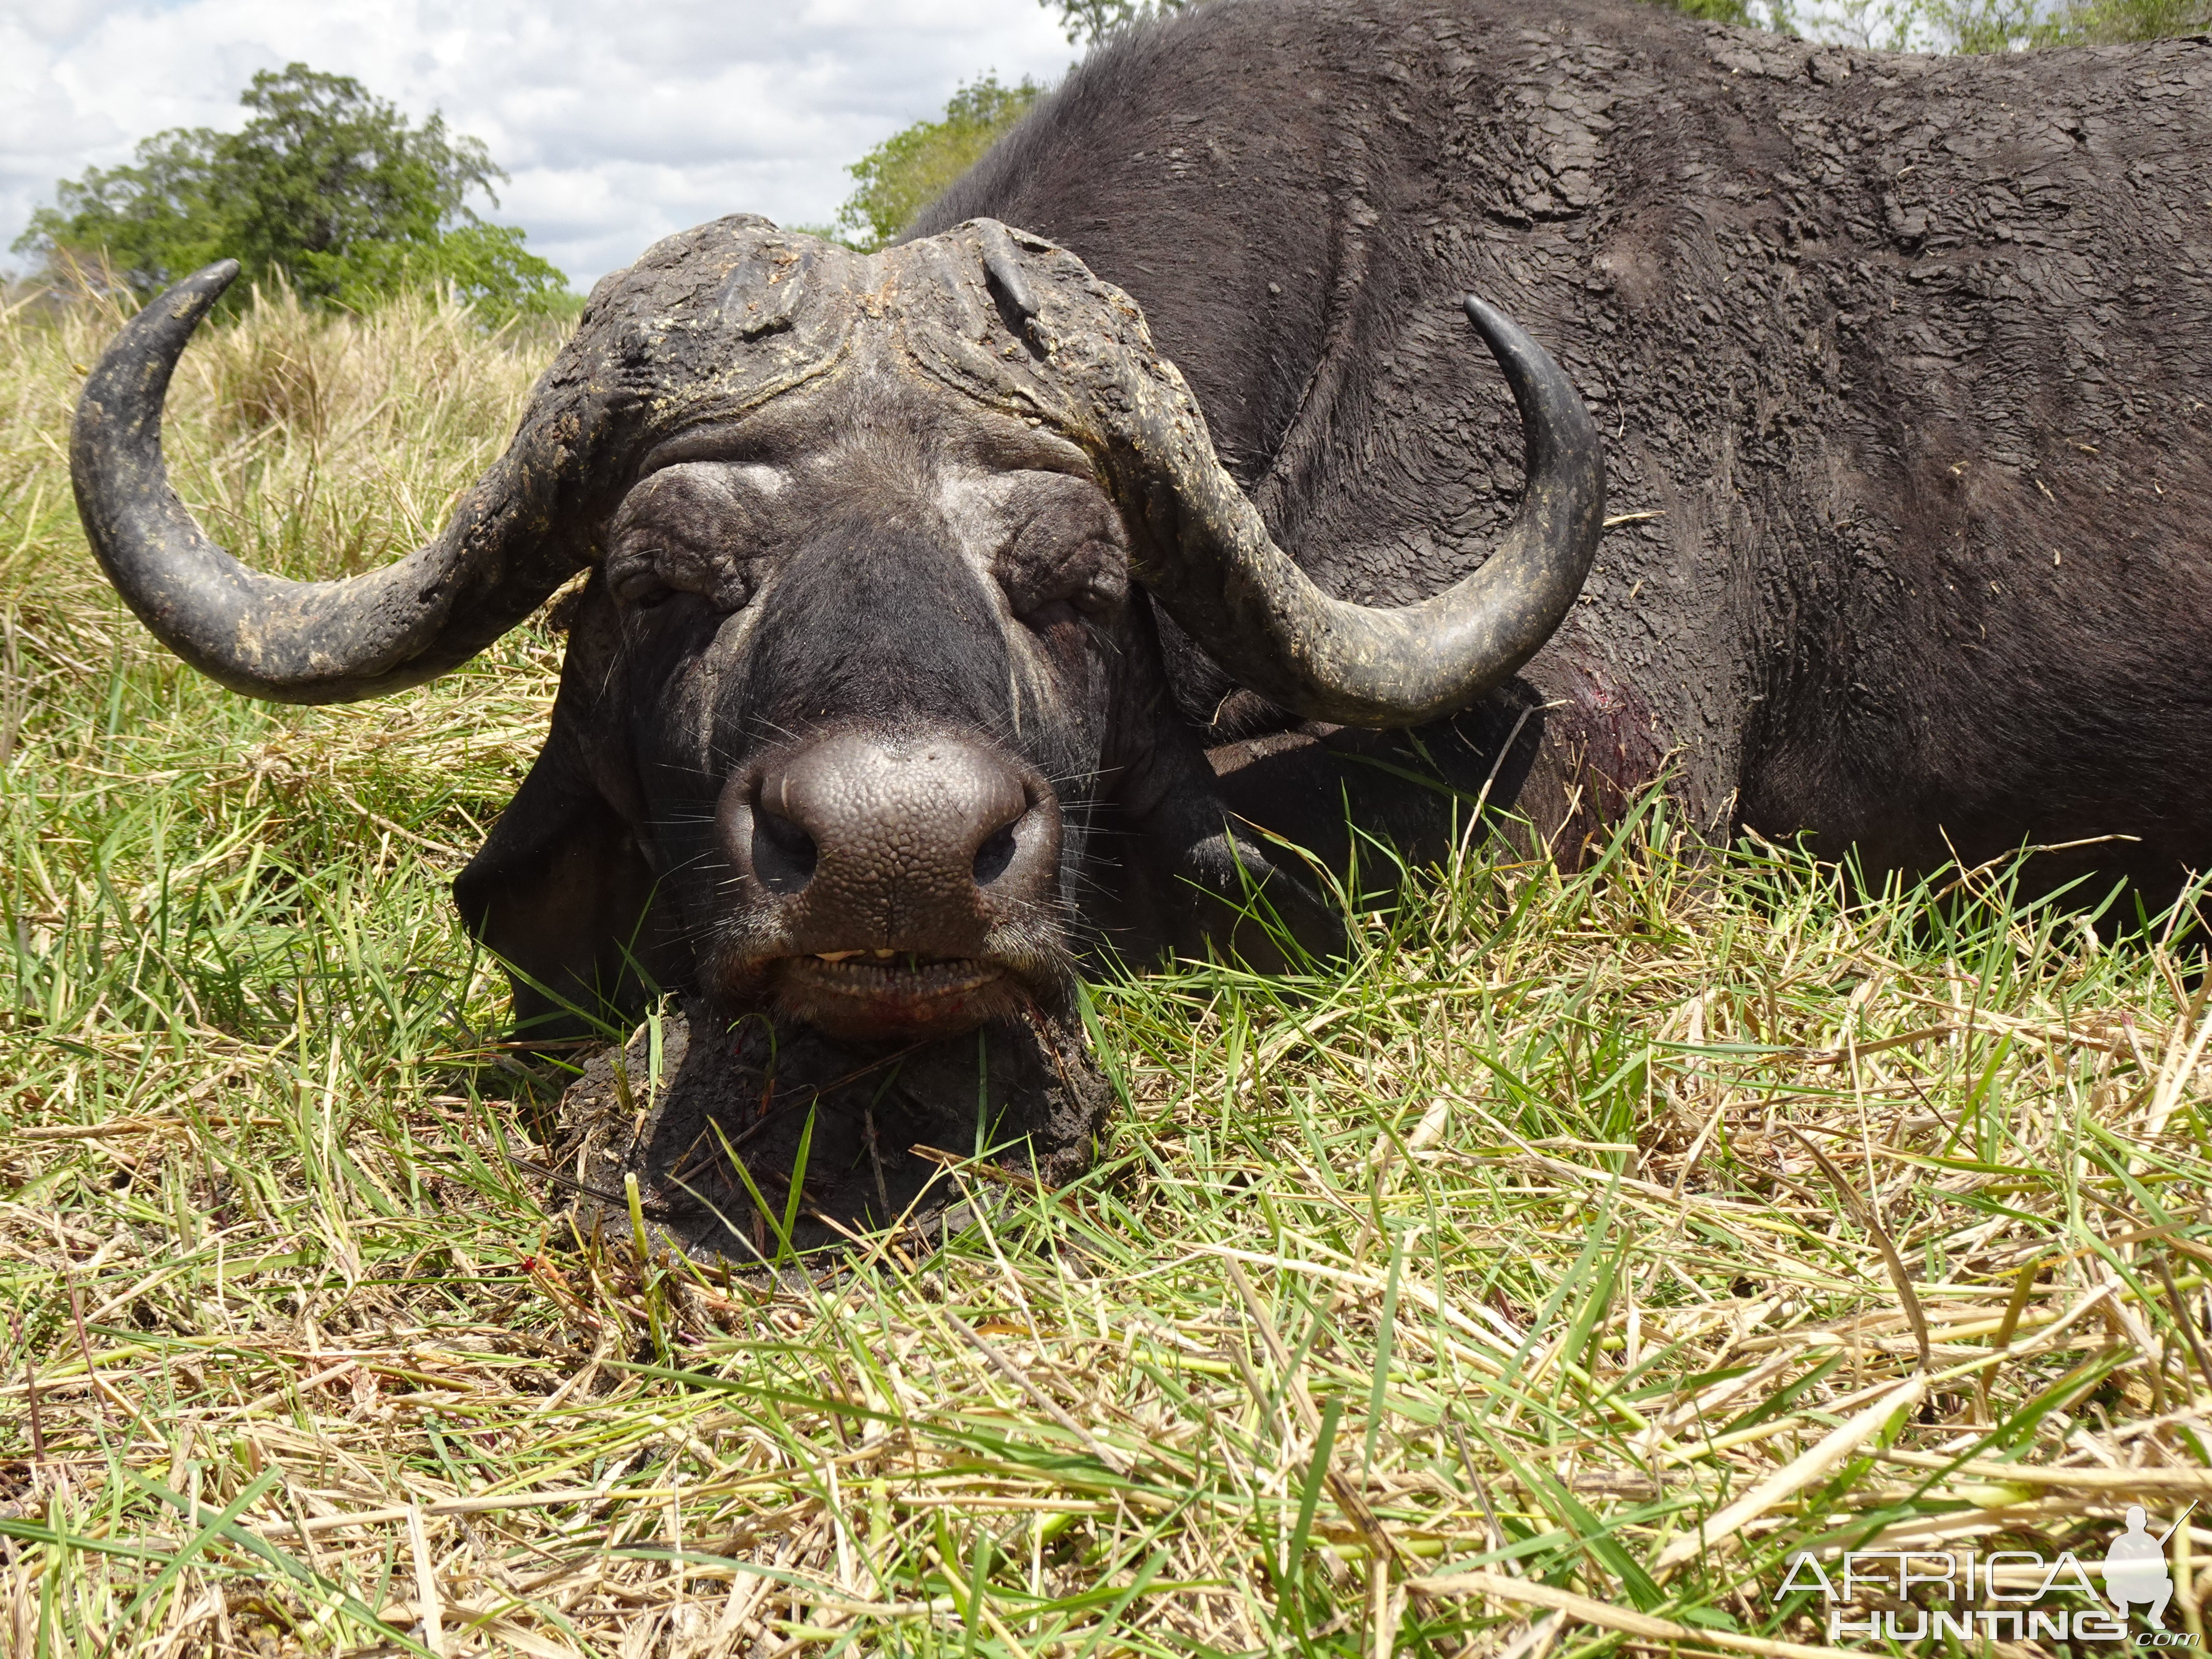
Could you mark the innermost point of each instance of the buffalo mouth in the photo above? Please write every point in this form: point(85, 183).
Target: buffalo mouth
point(896, 994)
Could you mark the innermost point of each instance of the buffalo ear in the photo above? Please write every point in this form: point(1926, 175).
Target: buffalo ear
point(1196, 881)
point(560, 891)
point(1192, 878)
point(561, 894)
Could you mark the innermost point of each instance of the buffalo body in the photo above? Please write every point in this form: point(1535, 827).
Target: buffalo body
point(1910, 357)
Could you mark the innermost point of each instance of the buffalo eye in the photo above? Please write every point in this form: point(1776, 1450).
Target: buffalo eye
point(696, 528)
point(1050, 615)
point(643, 576)
point(1064, 559)
point(1087, 587)
point(636, 583)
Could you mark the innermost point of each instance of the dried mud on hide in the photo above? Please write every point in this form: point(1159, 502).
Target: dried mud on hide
point(865, 1118)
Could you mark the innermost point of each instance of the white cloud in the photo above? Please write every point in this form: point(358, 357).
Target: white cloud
point(618, 122)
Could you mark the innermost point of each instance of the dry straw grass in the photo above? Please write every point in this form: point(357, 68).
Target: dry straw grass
point(1535, 1284)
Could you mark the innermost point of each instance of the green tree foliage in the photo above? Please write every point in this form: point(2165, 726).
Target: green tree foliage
point(911, 169)
point(1737, 12)
point(1089, 21)
point(326, 187)
point(2008, 25)
point(1982, 26)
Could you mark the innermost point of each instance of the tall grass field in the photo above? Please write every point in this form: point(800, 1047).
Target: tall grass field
point(1541, 1280)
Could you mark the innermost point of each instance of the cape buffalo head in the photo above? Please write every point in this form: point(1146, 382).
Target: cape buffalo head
point(864, 704)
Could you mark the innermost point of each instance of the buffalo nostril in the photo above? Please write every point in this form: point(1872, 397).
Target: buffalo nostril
point(784, 855)
point(993, 857)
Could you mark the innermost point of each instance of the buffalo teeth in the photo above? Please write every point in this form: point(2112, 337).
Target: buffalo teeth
point(934, 978)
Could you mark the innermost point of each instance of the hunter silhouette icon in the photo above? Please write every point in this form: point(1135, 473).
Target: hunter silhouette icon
point(2135, 1570)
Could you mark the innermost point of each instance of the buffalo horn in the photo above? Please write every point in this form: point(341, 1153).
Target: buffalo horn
point(1263, 619)
point(293, 641)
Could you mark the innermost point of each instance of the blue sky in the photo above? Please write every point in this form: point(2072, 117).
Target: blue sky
point(619, 122)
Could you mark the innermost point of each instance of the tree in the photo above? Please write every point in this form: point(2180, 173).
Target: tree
point(1090, 21)
point(911, 169)
point(2008, 25)
point(1738, 12)
point(327, 185)
point(1980, 26)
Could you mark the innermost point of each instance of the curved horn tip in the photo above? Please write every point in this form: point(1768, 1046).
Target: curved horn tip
point(1552, 412)
point(268, 636)
point(189, 299)
point(1499, 332)
point(1245, 600)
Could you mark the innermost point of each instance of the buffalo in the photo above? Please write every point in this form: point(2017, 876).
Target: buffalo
point(1154, 507)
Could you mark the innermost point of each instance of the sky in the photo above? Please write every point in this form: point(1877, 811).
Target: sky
point(619, 120)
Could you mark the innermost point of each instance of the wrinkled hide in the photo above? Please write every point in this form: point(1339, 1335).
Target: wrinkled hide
point(1905, 358)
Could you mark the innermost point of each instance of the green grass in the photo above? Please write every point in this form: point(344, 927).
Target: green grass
point(1505, 1251)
